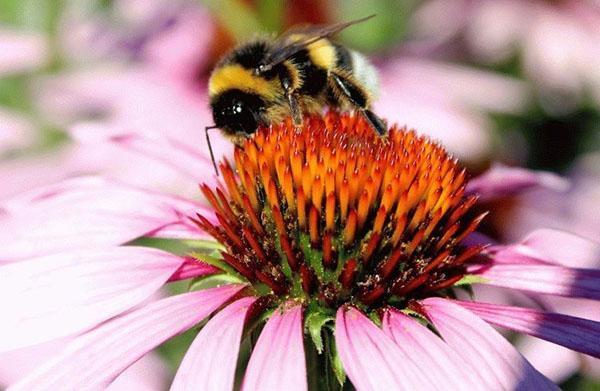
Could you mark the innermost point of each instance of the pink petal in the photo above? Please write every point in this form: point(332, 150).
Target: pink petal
point(578, 334)
point(547, 279)
point(210, 362)
point(463, 132)
point(497, 361)
point(430, 353)
point(554, 361)
point(501, 181)
point(371, 359)
point(277, 361)
point(73, 291)
point(192, 268)
point(189, 162)
point(182, 50)
point(566, 248)
point(520, 254)
point(16, 364)
point(95, 359)
point(183, 230)
point(83, 215)
point(152, 106)
point(148, 373)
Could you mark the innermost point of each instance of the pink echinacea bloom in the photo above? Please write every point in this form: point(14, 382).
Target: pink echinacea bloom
point(557, 41)
point(331, 252)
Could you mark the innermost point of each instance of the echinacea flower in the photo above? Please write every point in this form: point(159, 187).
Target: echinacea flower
point(557, 41)
point(339, 255)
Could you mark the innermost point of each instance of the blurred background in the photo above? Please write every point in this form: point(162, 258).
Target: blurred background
point(512, 82)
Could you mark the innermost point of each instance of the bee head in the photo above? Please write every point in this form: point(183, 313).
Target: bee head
point(237, 112)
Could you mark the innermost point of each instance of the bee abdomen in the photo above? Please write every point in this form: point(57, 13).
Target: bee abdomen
point(364, 72)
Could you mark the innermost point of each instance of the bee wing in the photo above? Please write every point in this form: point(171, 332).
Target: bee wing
point(286, 48)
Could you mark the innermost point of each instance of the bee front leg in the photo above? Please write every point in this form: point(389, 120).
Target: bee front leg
point(294, 109)
point(292, 100)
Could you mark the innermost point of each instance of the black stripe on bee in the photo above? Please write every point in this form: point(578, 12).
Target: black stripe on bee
point(314, 78)
point(250, 55)
point(343, 57)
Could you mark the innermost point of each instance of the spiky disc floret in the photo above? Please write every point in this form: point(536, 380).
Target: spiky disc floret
point(334, 212)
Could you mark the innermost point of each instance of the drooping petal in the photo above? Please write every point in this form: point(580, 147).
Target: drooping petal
point(277, 361)
point(96, 358)
point(84, 214)
point(497, 361)
point(371, 359)
point(549, 246)
point(577, 334)
point(547, 279)
point(566, 248)
point(430, 353)
point(500, 181)
point(192, 268)
point(554, 361)
point(61, 294)
point(210, 362)
point(517, 254)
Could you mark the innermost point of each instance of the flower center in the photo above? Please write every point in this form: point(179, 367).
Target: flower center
point(334, 213)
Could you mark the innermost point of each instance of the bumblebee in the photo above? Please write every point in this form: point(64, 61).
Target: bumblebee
point(263, 81)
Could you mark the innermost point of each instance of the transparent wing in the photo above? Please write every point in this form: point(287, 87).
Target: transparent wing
point(285, 47)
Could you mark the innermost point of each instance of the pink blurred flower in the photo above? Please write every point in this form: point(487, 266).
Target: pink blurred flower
point(448, 102)
point(125, 136)
point(574, 209)
point(69, 267)
point(21, 51)
point(559, 41)
point(16, 130)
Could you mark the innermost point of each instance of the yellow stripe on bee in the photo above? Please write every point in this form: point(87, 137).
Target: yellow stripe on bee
point(322, 54)
point(236, 76)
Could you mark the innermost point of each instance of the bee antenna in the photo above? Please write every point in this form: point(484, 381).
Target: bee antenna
point(212, 155)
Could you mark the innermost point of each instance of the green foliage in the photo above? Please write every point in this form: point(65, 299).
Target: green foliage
point(386, 29)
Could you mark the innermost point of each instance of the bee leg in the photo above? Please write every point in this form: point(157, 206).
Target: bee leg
point(358, 98)
point(286, 83)
point(294, 109)
point(375, 122)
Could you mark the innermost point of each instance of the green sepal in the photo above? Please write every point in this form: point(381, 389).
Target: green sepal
point(218, 262)
point(415, 315)
point(374, 316)
point(316, 318)
point(470, 279)
point(334, 358)
point(180, 246)
point(468, 289)
point(213, 281)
